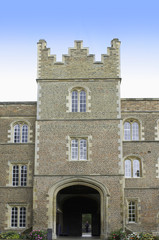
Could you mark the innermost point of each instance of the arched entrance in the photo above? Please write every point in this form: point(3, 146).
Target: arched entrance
point(64, 193)
point(72, 203)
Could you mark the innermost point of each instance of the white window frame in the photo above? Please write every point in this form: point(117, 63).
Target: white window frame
point(79, 100)
point(131, 130)
point(133, 167)
point(19, 175)
point(79, 149)
point(20, 219)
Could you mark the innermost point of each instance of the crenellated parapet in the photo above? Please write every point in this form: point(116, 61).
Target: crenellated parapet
point(78, 63)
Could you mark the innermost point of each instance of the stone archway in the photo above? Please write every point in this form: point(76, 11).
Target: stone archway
point(72, 203)
point(68, 185)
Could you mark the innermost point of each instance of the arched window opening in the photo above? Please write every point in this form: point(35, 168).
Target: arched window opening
point(20, 133)
point(132, 168)
point(131, 130)
point(78, 100)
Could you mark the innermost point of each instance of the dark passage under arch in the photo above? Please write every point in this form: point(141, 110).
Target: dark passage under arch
point(72, 202)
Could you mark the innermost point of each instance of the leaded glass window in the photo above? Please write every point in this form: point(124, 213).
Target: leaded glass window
point(15, 175)
point(20, 133)
point(17, 133)
point(74, 101)
point(22, 217)
point(18, 217)
point(74, 149)
point(132, 168)
point(24, 133)
point(82, 101)
point(78, 100)
point(132, 211)
point(127, 131)
point(79, 149)
point(136, 168)
point(83, 149)
point(14, 217)
point(131, 130)
point(128, 168)
point(23, 175)
point(19, 175)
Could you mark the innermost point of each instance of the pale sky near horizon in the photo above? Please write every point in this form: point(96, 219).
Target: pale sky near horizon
point(134, 22)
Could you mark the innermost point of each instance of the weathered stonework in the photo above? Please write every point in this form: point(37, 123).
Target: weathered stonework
point(57, 185)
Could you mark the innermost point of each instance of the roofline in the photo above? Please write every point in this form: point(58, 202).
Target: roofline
point(18, 103)
point(139, 99)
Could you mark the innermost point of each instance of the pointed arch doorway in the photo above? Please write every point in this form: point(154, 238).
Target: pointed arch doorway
point(72, 203)
point(69, 199)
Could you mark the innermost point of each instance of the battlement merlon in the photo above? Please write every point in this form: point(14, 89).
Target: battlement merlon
point(78, 63)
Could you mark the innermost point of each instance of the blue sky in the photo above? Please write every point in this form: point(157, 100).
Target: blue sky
point(23, 23)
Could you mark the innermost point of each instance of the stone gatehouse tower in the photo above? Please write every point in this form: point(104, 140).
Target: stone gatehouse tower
point(79, 150)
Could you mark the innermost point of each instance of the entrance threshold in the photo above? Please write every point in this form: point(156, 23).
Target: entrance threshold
point(78, 238)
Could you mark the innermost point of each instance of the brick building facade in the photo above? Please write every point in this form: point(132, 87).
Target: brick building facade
point(79, 149)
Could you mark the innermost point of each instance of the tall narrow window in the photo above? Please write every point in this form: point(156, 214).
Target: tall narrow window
point(128, 168)
point(79, 149)
point(15, 175)
point(20, 133)
point(14, 217)
point(17, 133)
point(82, 101)
point(127, 131)
point(83, 149)
point(132, 211)
point(23, 175)
point(132, 168)
point(22, 217)
point(78, 100)
point(74, 101)
point(136, 168)
point(74, 149)
point(131, 130)
point(19, 175)
point(24, 133)
point(135, 131)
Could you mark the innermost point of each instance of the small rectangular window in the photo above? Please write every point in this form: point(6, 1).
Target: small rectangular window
point(79, 149)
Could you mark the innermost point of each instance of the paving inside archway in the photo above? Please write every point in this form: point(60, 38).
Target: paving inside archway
point(72, 202)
